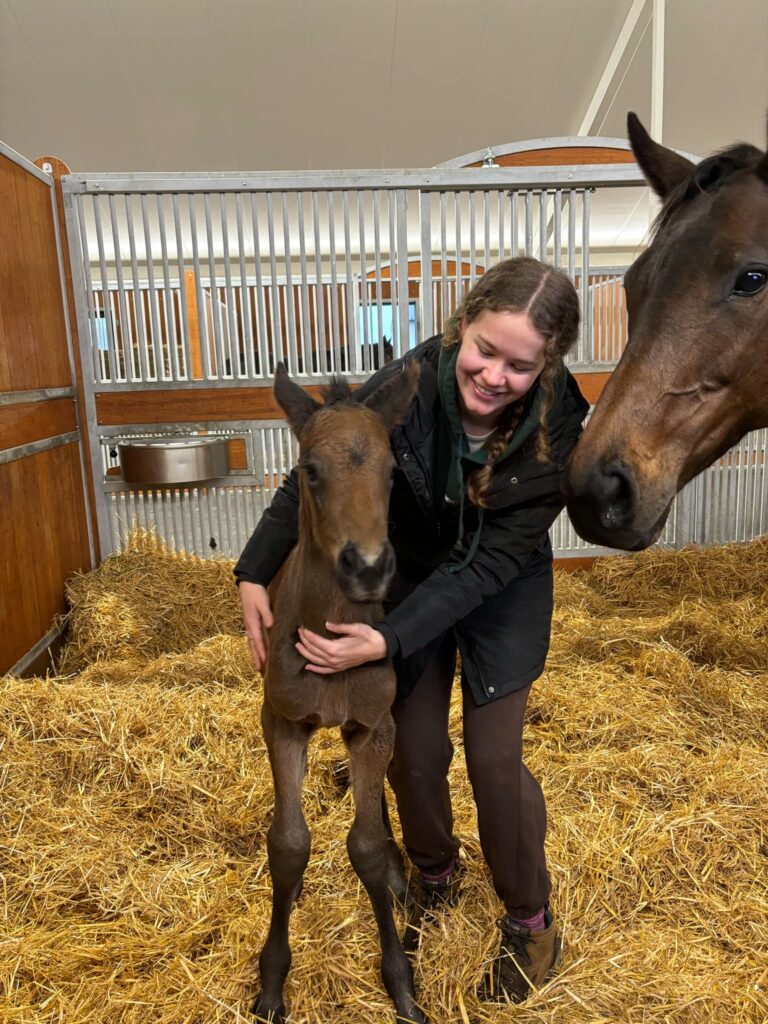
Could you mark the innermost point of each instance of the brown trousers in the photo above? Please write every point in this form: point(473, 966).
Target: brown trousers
point(511, 812)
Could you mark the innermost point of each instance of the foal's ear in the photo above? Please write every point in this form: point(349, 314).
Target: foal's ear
point(392, 399)
point(297, 405)
point(662, 167)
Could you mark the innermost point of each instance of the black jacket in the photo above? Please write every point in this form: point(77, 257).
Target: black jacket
point(494, 589)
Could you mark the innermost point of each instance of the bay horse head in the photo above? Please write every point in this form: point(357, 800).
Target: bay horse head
point(693, 378)
point(345, 476)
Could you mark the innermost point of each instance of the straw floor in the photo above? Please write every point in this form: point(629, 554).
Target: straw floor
point(136, 799)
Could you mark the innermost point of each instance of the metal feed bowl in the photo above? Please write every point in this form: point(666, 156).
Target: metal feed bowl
point(174, 462)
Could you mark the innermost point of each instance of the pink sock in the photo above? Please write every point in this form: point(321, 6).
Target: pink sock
point(534, 924)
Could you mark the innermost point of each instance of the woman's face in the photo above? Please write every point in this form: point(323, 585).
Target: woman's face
point(500, 357)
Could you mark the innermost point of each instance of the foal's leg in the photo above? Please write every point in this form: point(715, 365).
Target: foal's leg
point(288, 844)
point(370, 852)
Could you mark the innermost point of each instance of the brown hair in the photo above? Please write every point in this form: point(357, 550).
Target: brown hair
point(521, 285)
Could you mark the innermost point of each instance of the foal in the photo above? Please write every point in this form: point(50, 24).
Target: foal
point(339, 572)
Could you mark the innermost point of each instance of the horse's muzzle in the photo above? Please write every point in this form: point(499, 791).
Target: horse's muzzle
point(361, 580)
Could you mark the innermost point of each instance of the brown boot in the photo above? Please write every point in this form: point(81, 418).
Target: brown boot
point(524, 962)
point(425, 898)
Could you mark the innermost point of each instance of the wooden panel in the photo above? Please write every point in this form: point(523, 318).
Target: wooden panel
point(32, 421)
point(563, 156)
point(33, 341)
point(44, 539)
point(592, 384)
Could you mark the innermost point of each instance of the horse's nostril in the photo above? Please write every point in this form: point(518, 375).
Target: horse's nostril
point(617, 494)
point(349, 560)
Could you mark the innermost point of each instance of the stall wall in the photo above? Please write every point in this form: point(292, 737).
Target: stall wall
point(43, 522)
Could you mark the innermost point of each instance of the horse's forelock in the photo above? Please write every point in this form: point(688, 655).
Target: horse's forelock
point(707, 176)
point(337, 392)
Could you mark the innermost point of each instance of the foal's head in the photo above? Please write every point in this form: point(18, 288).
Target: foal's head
point(345, 475)
point(694, 376)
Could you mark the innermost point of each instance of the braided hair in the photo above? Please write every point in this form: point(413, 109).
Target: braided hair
point(521, 285)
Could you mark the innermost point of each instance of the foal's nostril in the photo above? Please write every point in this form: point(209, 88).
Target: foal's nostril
point(349, 560)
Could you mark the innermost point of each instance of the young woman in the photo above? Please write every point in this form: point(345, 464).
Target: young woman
point(477, 486)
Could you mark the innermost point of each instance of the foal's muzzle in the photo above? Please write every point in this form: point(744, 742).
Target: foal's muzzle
point(362, 580)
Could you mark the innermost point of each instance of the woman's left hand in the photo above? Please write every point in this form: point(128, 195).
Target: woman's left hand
point(360, 644)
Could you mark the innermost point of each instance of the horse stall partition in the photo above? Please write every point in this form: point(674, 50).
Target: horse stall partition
point(44, 517)
point(189, 289)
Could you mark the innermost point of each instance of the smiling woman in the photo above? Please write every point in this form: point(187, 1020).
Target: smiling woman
point(478, 464)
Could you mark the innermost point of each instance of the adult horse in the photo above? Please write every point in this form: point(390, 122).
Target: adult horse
point(694, 376)
point(338, 571)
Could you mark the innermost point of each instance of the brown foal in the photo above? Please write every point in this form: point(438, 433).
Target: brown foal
point(338, 572)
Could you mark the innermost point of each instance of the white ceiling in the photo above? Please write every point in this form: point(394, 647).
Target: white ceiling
point(127, 85)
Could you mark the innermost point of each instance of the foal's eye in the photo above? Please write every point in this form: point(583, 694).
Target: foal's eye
point(750, 282)
point(312, 475)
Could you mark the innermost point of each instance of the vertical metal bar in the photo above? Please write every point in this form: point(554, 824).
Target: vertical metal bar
point(155, 319)
point(202, 319)
point(249, 369)
point(403, 290)
point(233, 337)
point(291, 341)
point(543, 204)
point(182, 277)
point(458, 276)
point(306, 335)
point(112, 347)
point(763, 455)
point(379, 341)
point(264, 364)
point(85, 263)
point(396, 297)
point(529, 223)
point(557, 228)
point(425, 289)
point(320, 326)
point(501, 216)
point(138, 304)
point(514, 227)
point(334, 283)
point(443, 264)
point(363, 283)
point(353, 347)
point(221, 356)
point(472, 200)
point(571, 235)
point(174, 365)
point(486, 230)
point(125, 322)
point(587, 355)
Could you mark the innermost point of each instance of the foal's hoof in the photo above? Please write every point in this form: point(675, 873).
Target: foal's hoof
point(415, 1017)
point(267, 1014)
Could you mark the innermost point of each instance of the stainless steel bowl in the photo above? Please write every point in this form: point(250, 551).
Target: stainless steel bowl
point(174, 462)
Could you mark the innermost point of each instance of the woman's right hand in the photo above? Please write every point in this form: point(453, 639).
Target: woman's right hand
point(257, 616)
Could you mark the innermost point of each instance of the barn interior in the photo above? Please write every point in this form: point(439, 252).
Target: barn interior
point(193, 193)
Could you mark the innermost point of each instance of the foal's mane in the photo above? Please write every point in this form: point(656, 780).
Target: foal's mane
point(711, 174)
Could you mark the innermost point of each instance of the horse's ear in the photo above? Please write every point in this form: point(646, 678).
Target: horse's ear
point(663, 168)
point(297, 405)
point(392, 399)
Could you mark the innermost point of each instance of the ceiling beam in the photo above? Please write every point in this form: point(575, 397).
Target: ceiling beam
point(619, 49)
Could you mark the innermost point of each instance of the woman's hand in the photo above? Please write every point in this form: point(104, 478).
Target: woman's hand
point(257, 616)
point(360, 644)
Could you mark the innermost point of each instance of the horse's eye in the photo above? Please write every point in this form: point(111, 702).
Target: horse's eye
point(313, 476)
point(750, 282)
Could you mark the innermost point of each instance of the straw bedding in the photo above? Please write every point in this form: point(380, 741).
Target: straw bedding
point(136, 798)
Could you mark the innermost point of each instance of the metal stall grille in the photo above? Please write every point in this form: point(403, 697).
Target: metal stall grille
point(190, 283)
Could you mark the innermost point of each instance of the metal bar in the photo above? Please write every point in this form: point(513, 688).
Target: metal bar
point(202, 319)
point(586, 351)
point(403, 291)
point(486, 231)
point(353, 340)
point(27, 165)
point(571, 235)
point(260, 297)
point(249, 369)
point(291, 341)
point(425, 292)
point(514, 233)
point(443, 264)
point(21, 451)
point(557, 239)
point(112, 349)
point(172, 353)
point(529, 224)
point(471, 197)
point(35, 395)
point(233, 337)
point(396, 297)
point(213, 290)
point(320, 340)
point(132, 372)
point(502, 213)
point(306, 332)
point(185, 341)
point(363, 285)
point(335, 340)
point(39, 649)
point(95, 356)
point(458, 275)
point(379, 341)
point(430, 179)
point(155, 319)
point(543, 203)
point(138, 302)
